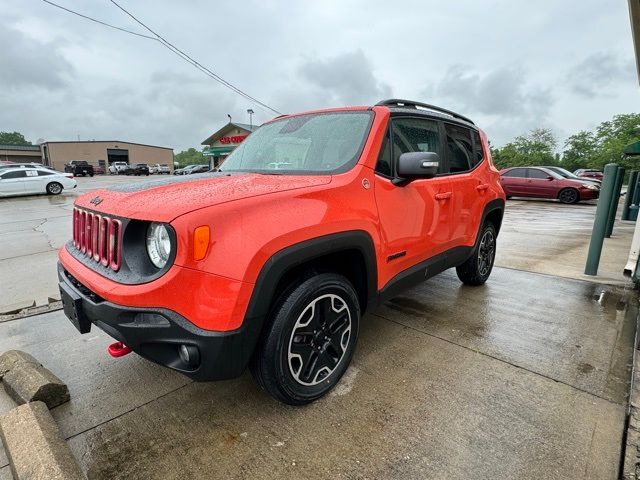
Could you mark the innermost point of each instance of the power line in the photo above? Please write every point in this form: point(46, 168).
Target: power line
point(172, 48)
point(195, 63)
point(99, 21)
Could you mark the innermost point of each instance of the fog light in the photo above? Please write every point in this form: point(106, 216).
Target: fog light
point(190, 355)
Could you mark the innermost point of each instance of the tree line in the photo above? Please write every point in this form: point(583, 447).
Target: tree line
point(585, 149)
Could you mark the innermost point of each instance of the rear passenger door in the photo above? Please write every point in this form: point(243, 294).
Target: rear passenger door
point(464, 152)
point(514, 182)
point(12, 183)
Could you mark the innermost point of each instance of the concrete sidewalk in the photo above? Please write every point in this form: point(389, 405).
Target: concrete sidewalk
point(526, 377)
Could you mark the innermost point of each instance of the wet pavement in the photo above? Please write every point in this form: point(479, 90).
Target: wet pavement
point(526, 377)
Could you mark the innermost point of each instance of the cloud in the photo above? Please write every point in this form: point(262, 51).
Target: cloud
point(598, 73)
point(26, 62)
point(502, 92)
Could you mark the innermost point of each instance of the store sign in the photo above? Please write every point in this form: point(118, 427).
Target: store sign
point(234, 139)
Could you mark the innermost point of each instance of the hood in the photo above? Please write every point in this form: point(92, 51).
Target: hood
point(164, 200)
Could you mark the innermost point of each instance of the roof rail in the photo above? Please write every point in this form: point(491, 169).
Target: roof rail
point(398, 102)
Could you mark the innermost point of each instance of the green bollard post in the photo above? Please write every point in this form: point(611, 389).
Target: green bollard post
point(633, 178)
point(615, 199)
point(600, 221)
point(636, 192)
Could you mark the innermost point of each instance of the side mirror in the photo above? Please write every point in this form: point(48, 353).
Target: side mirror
point(550, 177)
point(413, 165)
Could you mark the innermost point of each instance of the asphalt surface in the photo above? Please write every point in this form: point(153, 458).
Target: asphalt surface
point(525, 377)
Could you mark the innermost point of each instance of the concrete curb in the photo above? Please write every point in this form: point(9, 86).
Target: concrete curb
point(26, 380)
point(35, 447)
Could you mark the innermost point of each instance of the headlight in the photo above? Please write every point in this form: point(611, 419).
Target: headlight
point(158, 244)
point(591, 186)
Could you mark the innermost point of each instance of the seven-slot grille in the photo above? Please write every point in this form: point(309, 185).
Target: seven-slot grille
point(98, 237)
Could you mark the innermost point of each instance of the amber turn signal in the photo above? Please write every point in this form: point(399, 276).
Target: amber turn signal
point(200, 242)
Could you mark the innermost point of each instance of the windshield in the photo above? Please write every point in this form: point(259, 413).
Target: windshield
point(564, 173)
point(314, 143)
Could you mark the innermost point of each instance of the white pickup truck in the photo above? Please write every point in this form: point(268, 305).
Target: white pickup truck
point(116, 168)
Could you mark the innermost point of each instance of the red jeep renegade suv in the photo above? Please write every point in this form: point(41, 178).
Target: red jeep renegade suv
point(271, 262)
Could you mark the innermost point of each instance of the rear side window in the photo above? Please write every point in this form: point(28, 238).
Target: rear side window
point(535, 173)
point(516, 172)
point(18, 174)
point(459, 148)
point(415, 135)
point(42, 173)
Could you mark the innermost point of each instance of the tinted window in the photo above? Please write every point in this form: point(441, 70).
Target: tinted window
point(535, 173)
point(18, 174)
point(42, 173)
point(415, 135)
point(384, 160)
point(459, 148)
point(515, 172)
point(478, 154)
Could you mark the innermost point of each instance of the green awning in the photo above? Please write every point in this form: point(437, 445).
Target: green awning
point(216, 151)
point(633, 149)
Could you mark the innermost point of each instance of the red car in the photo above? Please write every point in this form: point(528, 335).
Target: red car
point(540, 182)
point(271, 262)
point(589, 173)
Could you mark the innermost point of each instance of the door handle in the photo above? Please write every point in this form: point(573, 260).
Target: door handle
point(443, 196)
point(482, 187)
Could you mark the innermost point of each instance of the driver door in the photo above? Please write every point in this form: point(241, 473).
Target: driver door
point(414, 217)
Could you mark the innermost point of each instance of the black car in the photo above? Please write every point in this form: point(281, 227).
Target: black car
point(79, 167)
point(137, 169)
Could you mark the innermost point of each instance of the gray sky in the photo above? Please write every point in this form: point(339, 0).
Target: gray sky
point(511, 65)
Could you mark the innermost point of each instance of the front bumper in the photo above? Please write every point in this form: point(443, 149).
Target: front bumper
point(588, 194)
point(158, 333)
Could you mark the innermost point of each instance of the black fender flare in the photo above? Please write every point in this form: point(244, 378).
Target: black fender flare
point(283, 261)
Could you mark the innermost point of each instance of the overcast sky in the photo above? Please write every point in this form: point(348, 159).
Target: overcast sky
point(511, 65)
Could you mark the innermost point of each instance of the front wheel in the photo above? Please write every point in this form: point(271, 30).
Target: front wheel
point(569, 195)
point(310, 340)
point(476, 270)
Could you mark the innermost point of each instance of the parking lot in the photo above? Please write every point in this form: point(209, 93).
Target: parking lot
point(525, 377)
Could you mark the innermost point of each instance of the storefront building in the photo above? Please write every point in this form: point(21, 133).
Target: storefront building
point(224, 141)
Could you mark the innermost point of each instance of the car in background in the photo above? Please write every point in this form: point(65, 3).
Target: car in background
point(567, 174)
point(26, 181)
point(159, 168)
point(116, 168)
point(78, 168)
point(198, 169)
point(137, 169)
point(589, 173)
point(186, 170)
point(98, 170)
point(25, 165)
point(540, 182)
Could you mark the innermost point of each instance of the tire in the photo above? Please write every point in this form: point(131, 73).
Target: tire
point(477, 269)
point(91, 174)
point(54, 188)
point(569, 196)
point(295, 364)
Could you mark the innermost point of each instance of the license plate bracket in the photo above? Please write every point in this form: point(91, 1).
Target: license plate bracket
point(73, 308)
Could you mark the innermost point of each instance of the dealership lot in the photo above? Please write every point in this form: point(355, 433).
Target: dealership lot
point(526, 377)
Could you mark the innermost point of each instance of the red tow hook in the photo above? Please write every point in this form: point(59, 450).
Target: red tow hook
point(118, 349)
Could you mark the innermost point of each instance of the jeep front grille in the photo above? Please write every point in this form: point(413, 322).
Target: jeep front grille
point(98, 237)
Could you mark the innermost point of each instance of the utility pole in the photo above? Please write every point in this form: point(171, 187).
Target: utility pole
point(250, 112)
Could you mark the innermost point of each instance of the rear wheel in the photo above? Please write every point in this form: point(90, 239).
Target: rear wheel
point(569, 195)
point(310, 340)
point(477, 268)
point(54, 188)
